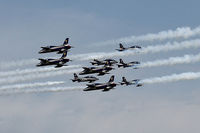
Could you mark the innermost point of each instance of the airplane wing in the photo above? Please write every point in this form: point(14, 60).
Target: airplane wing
point(96, 60)
point(122, 83)
point(47, 47)
point(62, 51)
point(86, 68)
point(138, 47)
point(135, 62)
point(102, 73)
point(95, 84)
point(60, 64)
point(105, 90)
point(43, 60)
point(108, 88)
point(89, 77)
point(91, 85)
point(118, 49)
point(135, 80)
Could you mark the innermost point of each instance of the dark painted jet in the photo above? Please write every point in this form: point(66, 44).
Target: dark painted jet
point(102, 86)
point(108, 62)
point(58, 62)
point(59, 49)
point(132, 82)
point(122, 48)
point(100, 70)
point(89, 79)
point(130, 64)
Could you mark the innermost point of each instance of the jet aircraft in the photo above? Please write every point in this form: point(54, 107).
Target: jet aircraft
point(100, 70)
point(102, 86)
point(108, 62)
point(89, 79)
point(132, 82)
point(58, 62)
point(122, 48)
point(130, 64)
point(59, 49)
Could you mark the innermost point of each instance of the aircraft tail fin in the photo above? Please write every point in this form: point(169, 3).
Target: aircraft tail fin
point(108, 63)
point(64, 54)
point(111, 79)
point(75, 76)
point(124, 79)
point(66, 41)
point(121, 61)
point(121, 46)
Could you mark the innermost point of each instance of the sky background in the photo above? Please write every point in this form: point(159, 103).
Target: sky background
point(154, 108)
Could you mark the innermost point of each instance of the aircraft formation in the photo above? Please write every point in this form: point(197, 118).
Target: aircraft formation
point(62, 49)
point(100, 67)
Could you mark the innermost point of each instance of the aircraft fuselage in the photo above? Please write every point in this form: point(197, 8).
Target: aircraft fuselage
point(58, 49)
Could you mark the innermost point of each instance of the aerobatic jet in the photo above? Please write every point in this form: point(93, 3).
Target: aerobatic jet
point(122, 48)
point(58, 62)
point(89, 79)
point(130, 64)
point(108, 62)
point(132, 82)
point(100, 70)
point(102, 86)
point(59, 49)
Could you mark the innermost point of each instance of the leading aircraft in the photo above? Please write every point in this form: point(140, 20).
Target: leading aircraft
point(108, 62)
point(102, 86)
point(100, 70)
point(58, 62)
point(132, 82)
point(59, 49)
point(89, 79)
point(130, 64)
point(122, 48)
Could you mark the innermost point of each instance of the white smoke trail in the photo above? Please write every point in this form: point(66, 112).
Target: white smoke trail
point(172, 78)
point(172, 61)
point(149, 49)
point(42, 90)
point(35, 70)
point(183, 32)
point(19, 63)
point(31, 85)
point(21, 78)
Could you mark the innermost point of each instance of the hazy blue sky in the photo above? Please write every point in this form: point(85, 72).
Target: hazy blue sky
point(170, 107)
